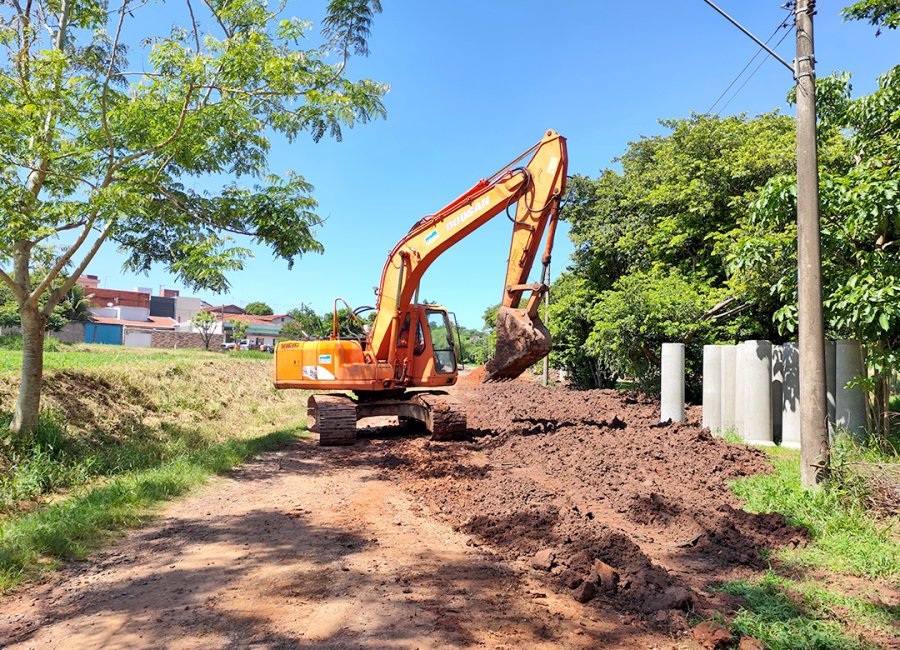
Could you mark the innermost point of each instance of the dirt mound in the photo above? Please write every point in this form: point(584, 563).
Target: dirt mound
point(593, 480)
point(475, 376)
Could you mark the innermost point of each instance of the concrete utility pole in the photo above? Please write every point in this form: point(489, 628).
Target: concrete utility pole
point(814, 449)
point(814, 446)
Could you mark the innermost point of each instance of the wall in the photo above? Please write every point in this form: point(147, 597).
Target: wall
point(88, 281)
point(185, 308)
point(71, 333)
point(138, 337)
point(133, 313)
point(102, 297)
point(122, 313)
point(172, 339)
point(161, 306)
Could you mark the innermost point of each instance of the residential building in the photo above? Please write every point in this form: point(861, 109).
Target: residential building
point(88, 281)
point(139, 318)
point(261, 330)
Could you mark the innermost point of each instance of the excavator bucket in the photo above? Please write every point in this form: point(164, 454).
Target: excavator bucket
point(522, 340)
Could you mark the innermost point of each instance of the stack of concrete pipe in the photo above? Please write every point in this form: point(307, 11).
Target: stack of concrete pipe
point(753, 389)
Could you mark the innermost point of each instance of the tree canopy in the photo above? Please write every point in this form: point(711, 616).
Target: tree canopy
point(258, 309)
point(884, 13)
point(205, 323)
point(652, 245)
point(99, 138)
point(860, 206)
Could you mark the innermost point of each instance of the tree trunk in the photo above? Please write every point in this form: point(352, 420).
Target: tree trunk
point(28, 407)
point(883, 405)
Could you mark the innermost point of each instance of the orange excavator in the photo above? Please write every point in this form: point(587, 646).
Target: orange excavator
point(411, 345)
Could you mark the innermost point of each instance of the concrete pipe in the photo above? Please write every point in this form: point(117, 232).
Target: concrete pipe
point(672, 383)
point(830, 383)
point(712, 388)
point(757, 379)
point(850, 402)
point(790, 400)
point(777, 381)
point(729, 358)
point(741, 368)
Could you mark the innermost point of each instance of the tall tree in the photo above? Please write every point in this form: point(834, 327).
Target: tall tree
point(860, 234)
point(306, 324)
point(238, 332)
point(664, 222)
point(95, 148)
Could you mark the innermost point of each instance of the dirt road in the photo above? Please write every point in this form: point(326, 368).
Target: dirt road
point(307, 547)
point(565, 519)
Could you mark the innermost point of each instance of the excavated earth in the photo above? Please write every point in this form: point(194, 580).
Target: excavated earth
point(588, 487)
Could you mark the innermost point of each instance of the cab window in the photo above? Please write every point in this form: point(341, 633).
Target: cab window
point(442, 341)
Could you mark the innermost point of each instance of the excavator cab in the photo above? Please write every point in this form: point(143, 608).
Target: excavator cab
point(429, 358)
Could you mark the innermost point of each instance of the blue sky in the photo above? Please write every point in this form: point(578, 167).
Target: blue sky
point(473, 84)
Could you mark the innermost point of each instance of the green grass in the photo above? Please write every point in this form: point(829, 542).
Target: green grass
point(52, 460)
point(69, 529)
point(845, 537)
point(252, 354)
point(785, 609)
point(14, 342)
point(83, 356)
point(789, 615)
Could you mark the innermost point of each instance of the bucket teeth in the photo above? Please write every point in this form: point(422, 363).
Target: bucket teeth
point(522, 340)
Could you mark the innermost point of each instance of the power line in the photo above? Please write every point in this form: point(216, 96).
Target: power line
point(783, 23)
point(750, 35)
point(755, 70)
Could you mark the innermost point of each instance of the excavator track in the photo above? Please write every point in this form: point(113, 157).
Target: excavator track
point(446, 417)
point(333, 417)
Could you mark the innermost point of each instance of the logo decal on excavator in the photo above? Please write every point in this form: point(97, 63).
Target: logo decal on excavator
point(317, 373)
point(431, 237)
point(468, 213)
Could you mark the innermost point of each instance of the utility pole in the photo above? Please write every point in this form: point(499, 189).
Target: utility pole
point(814, 445)
point(814, 448)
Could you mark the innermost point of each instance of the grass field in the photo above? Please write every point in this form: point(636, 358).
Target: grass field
point(59, 356)
point(829, 593)
point(122, 430)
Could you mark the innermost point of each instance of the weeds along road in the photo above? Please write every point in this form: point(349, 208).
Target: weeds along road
point(306, 547)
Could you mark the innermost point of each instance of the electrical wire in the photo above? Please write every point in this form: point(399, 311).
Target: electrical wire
point(781, 25)
point(756, 69)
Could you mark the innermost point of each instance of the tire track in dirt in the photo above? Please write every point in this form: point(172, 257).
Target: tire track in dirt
point(306, 547)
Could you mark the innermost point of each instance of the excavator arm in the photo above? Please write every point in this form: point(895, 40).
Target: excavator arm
point(532, 184)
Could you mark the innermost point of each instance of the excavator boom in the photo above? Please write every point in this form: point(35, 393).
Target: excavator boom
point(534, 183)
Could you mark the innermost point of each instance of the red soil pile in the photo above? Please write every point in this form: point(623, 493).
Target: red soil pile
point(478, 373)
point(476, 376)
point(579, 483)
